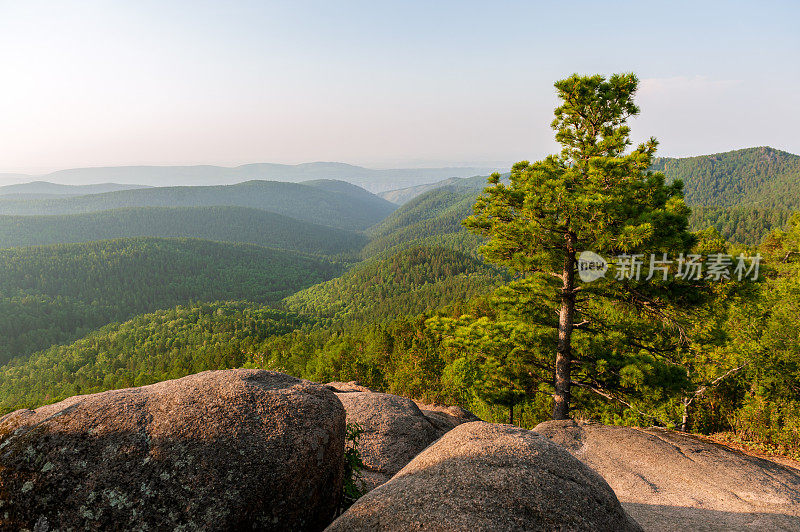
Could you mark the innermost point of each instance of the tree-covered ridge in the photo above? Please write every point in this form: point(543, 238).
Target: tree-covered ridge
point(342, 208)
point(54, 294)
point(226, 224)
point(149, 348)
point(433, 218)
point(406, 282)
point(744, 194)
point(764, 177)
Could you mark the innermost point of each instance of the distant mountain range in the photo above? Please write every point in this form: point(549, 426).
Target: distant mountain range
point(415, 257)
point(44, 189)
point(324, 202)
point(370, 179)
point(404, 195)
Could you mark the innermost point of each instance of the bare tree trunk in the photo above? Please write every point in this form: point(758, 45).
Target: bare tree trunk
point(511, 414)
point(561, 396)
point(685, 418)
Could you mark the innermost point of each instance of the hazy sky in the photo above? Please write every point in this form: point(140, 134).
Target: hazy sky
point(382, 84)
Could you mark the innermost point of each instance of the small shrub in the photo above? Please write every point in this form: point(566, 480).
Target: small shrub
point(354, 486)
point(769, 423)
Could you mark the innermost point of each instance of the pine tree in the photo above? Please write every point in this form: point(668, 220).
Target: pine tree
point(592, 196)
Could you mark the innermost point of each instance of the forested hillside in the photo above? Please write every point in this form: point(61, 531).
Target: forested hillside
point(54, 294)
point(227, 224)
point(409, 281)
point(149, 348)
point(741, 224)
point(347, 208)
point(760, 177)
point(744, 194)
point(404, 195)
point(433, 218)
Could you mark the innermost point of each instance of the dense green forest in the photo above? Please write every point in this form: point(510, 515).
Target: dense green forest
point(744, 194)
point(53, 294)
point(740, 224)
point(149, 348)
point(384, 321)
point(347, 207)
point(409, 281)
point(226, 224)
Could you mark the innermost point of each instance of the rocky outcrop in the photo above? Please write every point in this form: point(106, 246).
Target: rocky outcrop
point(486, 477)
point(396, 429)
point(220, 450)
point(674, 481)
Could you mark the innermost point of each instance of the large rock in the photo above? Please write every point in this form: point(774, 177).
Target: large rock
point(674, 481)
point(220, 450)
point(486, 477)
point(396, 429)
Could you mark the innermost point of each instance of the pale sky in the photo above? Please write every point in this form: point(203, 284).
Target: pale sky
point(378, 83)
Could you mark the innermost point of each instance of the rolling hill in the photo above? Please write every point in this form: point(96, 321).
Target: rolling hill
point(348, 208)
point(744, 194)
point(404, 195)
point(227, 224)
point(55, 294)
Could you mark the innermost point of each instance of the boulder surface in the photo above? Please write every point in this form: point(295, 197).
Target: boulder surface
point(395, 429)
point(670, 481)
point(487, 477)
point(219, 450)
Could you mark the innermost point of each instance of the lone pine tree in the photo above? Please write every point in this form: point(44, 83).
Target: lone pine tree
point(591, 196)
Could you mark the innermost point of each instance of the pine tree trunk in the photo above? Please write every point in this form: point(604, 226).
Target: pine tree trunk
point(511, 414)
point(561, 396)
